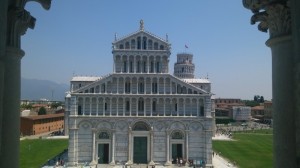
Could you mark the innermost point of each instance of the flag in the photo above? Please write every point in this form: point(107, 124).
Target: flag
point(186, 46)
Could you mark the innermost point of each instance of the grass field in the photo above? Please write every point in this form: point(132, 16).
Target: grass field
point(34, 153)
point(251, 149)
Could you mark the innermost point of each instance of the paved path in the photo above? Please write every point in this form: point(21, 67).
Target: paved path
point(220, 162)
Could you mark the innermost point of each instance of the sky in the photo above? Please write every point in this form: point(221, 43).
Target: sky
point(74, 38)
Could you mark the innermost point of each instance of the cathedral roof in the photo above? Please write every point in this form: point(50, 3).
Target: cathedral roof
point(141, 31)
point(85, 78)
point(196, 80)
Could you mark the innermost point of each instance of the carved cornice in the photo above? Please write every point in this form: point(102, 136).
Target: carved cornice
point(274, 16)
point(19, 20)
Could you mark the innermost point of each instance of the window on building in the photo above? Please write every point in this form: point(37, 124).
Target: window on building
point(105, 106)
point(157, 67)
point(138, 66)
point(161, 47)
point(151, 67)
point(141, 105)
point(154, 106)
point(79, 110)
point(127, 87)
point(131, 66)
point(155, 46)
point(141, 87)
point(201, 112)
point(149, 44)
point(154, 87)
point(125, 66)
point(144, 43)
point(132, 44)
point(127, 45)
point(175, 106)
point(121, 46)
point(103, 87)
point(139, 43)
point(145, 66)
point(127, 105)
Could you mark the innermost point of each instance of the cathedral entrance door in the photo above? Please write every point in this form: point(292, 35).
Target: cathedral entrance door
point(103, 153)
point(176, 152)
point(140, 150)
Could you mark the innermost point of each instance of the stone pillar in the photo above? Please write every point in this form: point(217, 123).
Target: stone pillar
point(15, 21)
point(187, 144)
point(295, 6)
point(3, 27)
point(129, 162)
point(113, 148)
point(73, 146)
point(151, 163)
point(11, 107)
point(83, 106)
point(94, 162)
point(168, 162)
point(91, 101)
point(275, 17)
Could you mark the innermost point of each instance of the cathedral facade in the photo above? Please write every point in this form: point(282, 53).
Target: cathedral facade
point(140, 113)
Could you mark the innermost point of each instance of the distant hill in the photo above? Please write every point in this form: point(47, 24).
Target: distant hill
point(35, 89)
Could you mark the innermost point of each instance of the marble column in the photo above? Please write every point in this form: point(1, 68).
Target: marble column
point(168, 162)
point(129, 162)
point(11, 106)
point(151, 163)
point(15, 21)
point(94, 162)
point(275, 17)
point(3, 27)
point(187, 144)
point(295, 6)
point(113, 148)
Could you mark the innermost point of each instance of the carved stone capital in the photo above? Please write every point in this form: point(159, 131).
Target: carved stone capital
point(45, 3)
point(19, 21)
point(273, 16)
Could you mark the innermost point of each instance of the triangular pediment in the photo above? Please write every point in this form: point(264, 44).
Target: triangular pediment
point(141, 33)
point(110, 82)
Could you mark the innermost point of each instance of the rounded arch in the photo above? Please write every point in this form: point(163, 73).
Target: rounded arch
point(103, 125)
point(177, 134)
point(141, 125)
point(195, 126)
point(177, 125)
point(85, 124)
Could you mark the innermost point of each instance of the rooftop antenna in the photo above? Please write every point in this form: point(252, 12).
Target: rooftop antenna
point(115, 36)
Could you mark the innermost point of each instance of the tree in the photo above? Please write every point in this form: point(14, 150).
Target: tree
point(55, 105)
point(261, 99)
point(42, 111)
point(251, 103)
point(256, 97)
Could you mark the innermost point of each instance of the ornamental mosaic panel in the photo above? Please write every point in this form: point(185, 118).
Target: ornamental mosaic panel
point(121, 126)
point(104, 135)
point(195, 126)
point(104, 124)
point(177, 135)
point(177, 125)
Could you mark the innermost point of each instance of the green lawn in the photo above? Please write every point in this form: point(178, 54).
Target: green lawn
point(34, 153)
point(250, 150)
